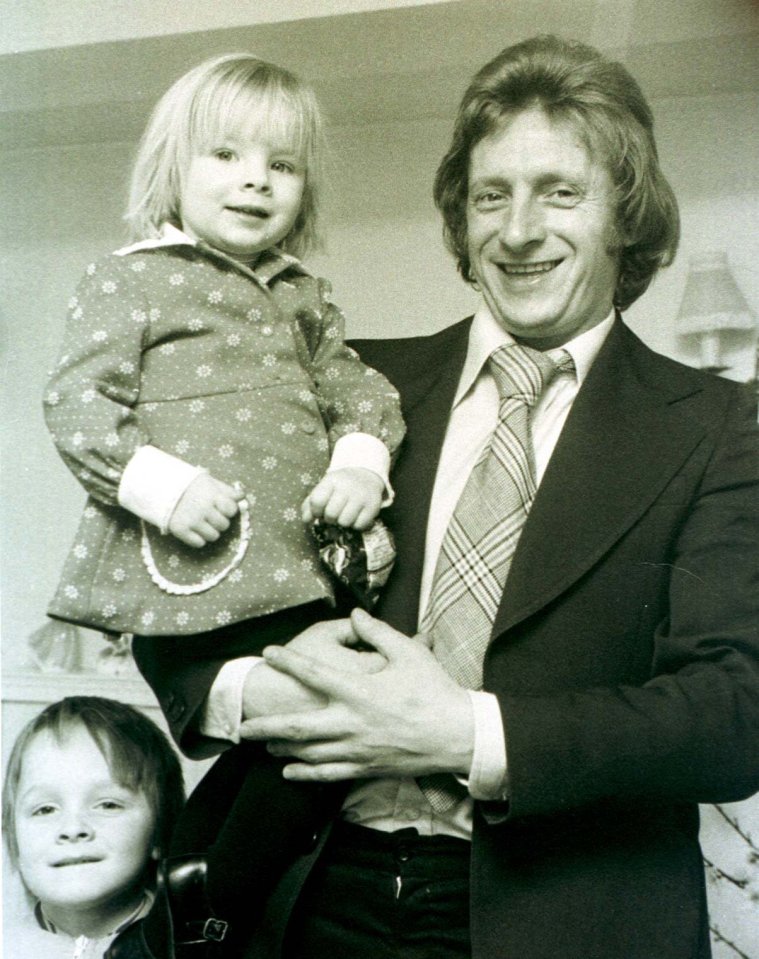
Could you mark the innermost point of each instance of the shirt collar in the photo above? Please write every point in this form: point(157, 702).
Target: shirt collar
point(486, 335)
point(271, 263)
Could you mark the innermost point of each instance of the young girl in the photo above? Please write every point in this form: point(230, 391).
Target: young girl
point(91, 790)
point(205, 388)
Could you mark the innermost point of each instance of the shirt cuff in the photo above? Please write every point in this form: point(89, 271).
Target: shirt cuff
point(153, 483)
point(488, 779)
point(366, 451)
point(221, 714)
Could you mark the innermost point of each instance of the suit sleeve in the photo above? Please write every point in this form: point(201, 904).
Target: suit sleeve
point(690, 733)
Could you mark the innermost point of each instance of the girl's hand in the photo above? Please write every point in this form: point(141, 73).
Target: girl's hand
point(349, 497)
point(204, 511)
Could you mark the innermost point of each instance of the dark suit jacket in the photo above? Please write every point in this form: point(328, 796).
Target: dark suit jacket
point(625, 653)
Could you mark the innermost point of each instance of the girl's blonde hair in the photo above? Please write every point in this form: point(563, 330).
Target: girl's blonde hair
point(223, 95)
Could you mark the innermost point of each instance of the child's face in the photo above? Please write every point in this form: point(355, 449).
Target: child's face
point(84, 840)
point(242, 195)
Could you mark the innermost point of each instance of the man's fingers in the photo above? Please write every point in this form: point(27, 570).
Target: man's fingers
point(382, 637)
point(325, 773)
point(308, 671)
point(305, 727)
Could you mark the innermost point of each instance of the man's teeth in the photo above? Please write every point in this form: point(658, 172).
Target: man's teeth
point(529, 267)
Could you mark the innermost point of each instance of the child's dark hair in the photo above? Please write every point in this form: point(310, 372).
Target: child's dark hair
point(138, 754)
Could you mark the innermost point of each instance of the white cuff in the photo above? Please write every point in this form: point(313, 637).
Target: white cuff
point(365, 451)
point(153, 483)
point(487, 779)
point(221, 714)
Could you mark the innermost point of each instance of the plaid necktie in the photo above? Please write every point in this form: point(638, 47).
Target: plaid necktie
point(482, 535)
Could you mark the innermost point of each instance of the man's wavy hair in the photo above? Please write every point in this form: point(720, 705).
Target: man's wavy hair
point(574, 83)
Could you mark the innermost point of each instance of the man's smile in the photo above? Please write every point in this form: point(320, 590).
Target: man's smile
point(528, 269)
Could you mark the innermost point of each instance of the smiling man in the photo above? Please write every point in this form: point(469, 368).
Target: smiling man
point(577, 522)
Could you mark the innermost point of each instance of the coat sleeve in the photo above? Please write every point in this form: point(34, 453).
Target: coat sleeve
point(90, 399)
point(354, 397)
point(690, 733)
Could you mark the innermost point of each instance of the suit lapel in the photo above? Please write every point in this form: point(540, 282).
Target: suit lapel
point(622, 442)
point(427, 398)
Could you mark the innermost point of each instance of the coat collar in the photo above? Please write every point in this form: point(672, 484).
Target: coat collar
point(622, 441)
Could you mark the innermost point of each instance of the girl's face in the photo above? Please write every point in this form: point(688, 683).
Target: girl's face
point(242, 194)
point(84, 840)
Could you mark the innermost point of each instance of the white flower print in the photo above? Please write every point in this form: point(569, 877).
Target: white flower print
point(173, 561)
point(53, 398)
point(128, 536)
point(109, 610)
point(332, 333)
point(183, 618)
point(147, 617)
point(119, 575)
point(288, 428)
point(194, 324)
point(77, 313)
point(90, 512)
point(331, 373)
point(365, 406)
point(225, 451)
point(150, 407)
point(112, 440)
point(71, 592)
point(215, 296)
point(290, 514)
point(235, 576)
point(91, 269)
point(267, 330)
point(176, 279)
point(197, 406)
point(304, 396)
point(126, 367)
point(255, 314)
point(139, 316)
point(203, 370)
point(306, 479)
point(109, 286)
point(73, 302)
point(223, 617)
point(233, 339)
point(155, 314)
point(182, 446)
point(88, 396)
point(269, 359)
point(269, 462)
point(281, 575)
point(80, 551)
point(322, 443)
point(77, 439)
point(352, 353)
point(243, 415)
point(99, 336)
point(168, 348)
point(306, 565)
point(137, 266)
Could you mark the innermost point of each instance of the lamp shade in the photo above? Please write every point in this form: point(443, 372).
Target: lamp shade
point(712, 301)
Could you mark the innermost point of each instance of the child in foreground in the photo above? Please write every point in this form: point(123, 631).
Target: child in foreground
point(91, 791)
point(205, 390)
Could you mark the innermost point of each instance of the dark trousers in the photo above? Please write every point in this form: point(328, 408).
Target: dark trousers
point(243, 817)
point(385, 896)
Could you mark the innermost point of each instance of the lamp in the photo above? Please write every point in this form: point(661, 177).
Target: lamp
point(712, 306)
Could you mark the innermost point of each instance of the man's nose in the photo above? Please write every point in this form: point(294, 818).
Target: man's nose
point(523, 223)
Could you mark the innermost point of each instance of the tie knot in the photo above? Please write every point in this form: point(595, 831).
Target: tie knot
point(520, 371)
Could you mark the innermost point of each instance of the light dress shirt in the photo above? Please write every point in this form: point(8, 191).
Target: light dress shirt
point(389, 804)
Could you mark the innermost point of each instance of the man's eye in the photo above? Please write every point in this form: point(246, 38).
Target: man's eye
point(564, 196)
point(490, 200)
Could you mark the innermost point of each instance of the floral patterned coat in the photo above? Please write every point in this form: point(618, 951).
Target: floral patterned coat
point(244, 373)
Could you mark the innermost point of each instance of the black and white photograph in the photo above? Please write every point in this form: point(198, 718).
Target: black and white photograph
point(379, 564)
